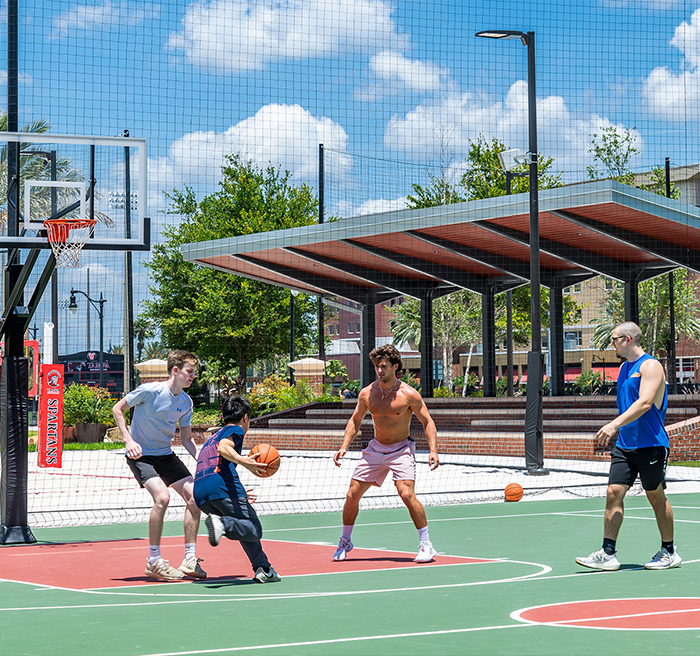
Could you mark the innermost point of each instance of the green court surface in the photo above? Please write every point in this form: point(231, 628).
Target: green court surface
point(509, 586)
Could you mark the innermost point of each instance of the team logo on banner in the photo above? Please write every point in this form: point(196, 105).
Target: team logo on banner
point(50, 425)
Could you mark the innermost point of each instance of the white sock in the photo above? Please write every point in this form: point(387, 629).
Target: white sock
point(153, 553)
point(190, 549)
point(423, 535)
point(347, 530)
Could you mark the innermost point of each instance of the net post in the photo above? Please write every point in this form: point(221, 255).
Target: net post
point(14, 447)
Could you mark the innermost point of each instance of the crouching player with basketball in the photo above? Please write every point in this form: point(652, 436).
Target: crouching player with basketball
point(158, 408)
point(219, 492)
point(642, 448)
point(391, 404)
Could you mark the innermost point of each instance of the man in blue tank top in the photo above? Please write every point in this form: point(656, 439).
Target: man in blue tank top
point(642, 448)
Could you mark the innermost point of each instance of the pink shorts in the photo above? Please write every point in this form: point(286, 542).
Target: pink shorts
point(379, 459)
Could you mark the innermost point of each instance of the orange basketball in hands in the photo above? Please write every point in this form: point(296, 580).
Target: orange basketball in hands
point(268, 456)
point(514, 492)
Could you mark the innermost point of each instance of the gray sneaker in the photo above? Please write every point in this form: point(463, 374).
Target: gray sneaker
point(261, 577)
point(600, 560)
point(664, 560)
point(215, 526)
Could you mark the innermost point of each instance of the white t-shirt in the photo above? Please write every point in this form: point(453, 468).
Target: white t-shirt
point(157, 412)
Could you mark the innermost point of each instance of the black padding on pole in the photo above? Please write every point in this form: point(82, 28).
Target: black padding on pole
point(14, 432)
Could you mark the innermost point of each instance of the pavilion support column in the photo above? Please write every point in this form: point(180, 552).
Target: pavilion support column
point(426, 344)
point(367, 374)
point(488, 322)
point(632, 301)
point(556, 339)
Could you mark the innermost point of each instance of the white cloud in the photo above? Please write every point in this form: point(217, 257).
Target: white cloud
point(103, 15)
point(372, 206)
point(676, 96)
point(408, 73)
point(24, 78)
point(239, 35)
point(284, 136)
point(467, 115)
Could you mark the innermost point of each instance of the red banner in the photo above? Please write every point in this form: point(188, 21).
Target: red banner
point(50, 421)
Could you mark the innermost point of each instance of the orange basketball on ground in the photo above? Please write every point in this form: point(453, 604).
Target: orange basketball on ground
point(268, 456)
point(514, 492)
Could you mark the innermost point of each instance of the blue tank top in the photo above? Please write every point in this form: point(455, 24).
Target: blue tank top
point(647, 430)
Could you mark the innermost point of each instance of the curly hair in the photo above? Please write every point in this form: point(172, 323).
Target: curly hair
point(389, 353)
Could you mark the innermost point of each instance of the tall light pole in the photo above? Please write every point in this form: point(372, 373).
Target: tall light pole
point(292, 295)
point(98, 304)
point(534, 449)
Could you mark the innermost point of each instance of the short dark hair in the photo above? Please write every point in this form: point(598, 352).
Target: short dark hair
point(234, 408)
point(389, 353)
point(180, 358)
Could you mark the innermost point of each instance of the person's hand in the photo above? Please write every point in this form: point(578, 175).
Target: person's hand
point(252, 498)
point(338, 455)
point(433, 461)
point(133, 450)
point(252, 465)
point(606, 434)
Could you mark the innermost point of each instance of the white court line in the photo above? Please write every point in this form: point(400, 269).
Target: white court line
point(309, 643)
point(517, 615)
point(274, 596)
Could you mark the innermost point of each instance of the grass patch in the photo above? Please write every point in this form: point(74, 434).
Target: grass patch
point(686, 463)
point(87, 446)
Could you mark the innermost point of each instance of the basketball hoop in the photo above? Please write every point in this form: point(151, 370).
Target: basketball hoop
point(67, 237)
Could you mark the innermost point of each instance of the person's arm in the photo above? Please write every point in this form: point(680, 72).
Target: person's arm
point(188, 441)
point(353, 426)
point(421, 411)
point(227, 450)
point(133, 448)
point(652, 378)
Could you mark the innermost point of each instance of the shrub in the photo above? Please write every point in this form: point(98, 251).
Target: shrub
point(87, 405)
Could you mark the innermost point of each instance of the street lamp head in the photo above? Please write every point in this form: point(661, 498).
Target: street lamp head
point(504, 34)
point(72, 306)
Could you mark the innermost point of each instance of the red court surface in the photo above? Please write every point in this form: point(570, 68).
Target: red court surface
point(621, 614)
point(117, 563)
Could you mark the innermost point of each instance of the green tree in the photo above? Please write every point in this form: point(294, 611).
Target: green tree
point(612, 148)
point(485, 177)
point(658, 183)
point(228, 320)
point(456, 321)
point(654, 315)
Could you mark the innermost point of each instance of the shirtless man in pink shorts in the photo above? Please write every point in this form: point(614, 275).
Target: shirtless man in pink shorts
point(391, 404)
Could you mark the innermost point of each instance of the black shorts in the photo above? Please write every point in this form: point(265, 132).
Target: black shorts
point(649, 462)
point(170, 468)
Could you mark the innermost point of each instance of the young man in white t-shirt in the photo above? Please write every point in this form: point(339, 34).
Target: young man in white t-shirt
point(158, 408)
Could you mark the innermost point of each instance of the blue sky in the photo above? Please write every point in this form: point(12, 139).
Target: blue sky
point(395, 81)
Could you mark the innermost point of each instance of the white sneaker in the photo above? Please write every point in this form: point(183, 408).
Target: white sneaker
point(191, 567)
point(270, 577)
point(215, 526)
point(426, 553)
point(344, 548)
point(163, 571)
point(600, 560)
point(664, 560)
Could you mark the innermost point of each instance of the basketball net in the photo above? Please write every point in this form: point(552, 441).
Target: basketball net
point(67, 237)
